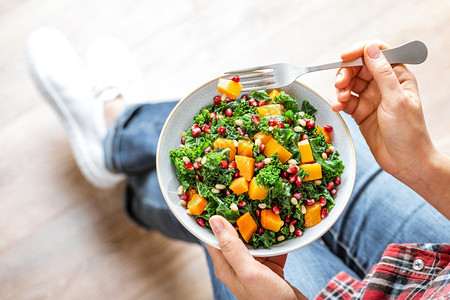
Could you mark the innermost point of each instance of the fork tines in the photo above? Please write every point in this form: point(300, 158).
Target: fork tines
point(256, 78)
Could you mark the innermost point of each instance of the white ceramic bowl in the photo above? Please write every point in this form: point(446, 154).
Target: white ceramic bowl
point(181, 119)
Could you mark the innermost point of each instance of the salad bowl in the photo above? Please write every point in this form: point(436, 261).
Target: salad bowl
point(181, 118)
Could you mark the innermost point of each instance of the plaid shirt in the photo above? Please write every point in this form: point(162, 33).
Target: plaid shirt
point(409, 271)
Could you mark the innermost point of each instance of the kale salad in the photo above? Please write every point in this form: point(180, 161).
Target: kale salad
point(261, 161)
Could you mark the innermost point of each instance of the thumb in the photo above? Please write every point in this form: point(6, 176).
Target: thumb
point(381, 71)
point(233, 249)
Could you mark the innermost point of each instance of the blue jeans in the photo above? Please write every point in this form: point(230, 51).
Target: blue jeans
point(382, 209)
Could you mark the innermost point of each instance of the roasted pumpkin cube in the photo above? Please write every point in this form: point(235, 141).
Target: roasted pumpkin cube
point(312, 214)
point(229, 87)
point(273, 147)
point(270, 110)
point(270, 220)
point(255, 191)
point(239, 186)
point(197, 204)
point(314, 170)
point(305, 151)
point(262, 136)
point(245, 148)
point(247, 226)
point(225, 144)
point(325, 134)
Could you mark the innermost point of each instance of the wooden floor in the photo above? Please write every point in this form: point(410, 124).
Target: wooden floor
point(63, 239)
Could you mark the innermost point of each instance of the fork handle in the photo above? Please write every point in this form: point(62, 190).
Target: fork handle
point(414, 52)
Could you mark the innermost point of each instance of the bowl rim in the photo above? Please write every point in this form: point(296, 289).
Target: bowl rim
point(253, 252)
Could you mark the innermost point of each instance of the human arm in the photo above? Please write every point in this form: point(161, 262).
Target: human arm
point(385, 103)
point(245, 276)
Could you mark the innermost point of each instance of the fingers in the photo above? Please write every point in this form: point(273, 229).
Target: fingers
point(357, 50)
point(233, 249)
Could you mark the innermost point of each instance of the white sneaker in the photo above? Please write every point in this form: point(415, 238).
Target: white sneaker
point(64, 82)
point(115, 69)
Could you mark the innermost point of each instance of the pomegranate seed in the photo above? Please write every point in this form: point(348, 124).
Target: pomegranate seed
point(330, 185)
point(258, 213)
point(183, 140)
point(197, 166)
point(224, 164)
point(287, 219)
point(293, 178)
point(207, 149)
point(298, 182)
point(328, 128)
point(217, 100)
point(322, 201)
point(227, 193)
point(246, 135)
point(189, 166)
point(292, 170)
point(212, 115)
point(240, 130)
point(337, 180)
point(289, 121)
point(232, 165)
point(255, 119)
point(304, 137)
point(261, 103)
point(205, 129)
point(260, 164)
point(221, 130)
point(298, 232)
point(276, 209)
point(236, 174)
point(273, 122)
point(262, 147)
point(195, 126)
point(310, 201)
point(241, 204)
point(328, 152)
point(253, 103)
point(284, 174)
point(245, 97)
point(298, 195)
point(260, 230)
point(333, 192)
point(324, 212)
point(228, 100)
point(229, 112)
point(196, 131)
point(310, 124)
point(201, 222)
point(185, 197)
point(293, 222)
point(280, 125)
point(236, 79)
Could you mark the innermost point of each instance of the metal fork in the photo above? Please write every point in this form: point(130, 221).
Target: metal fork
point(282, 74)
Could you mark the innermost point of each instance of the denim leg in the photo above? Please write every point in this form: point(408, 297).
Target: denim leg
point(382, 211)
point(130, 148)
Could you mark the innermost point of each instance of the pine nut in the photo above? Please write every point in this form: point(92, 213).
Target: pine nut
point(331, 148)
point(262, 205)
point(224, 97)
point(203, 160)
point(182, 202)
point(271, 128)
point(236, 144)
point(198, 159)
point(302, 113)
point(291, 228)
point(258, 142)
point(183, 133)
point(294, 201)
point(182, 146)
point(186, 159)
point(292, 162)
point(220, 186)
point(188, 212)
point(324, 156)
point(280, 238)
point(303, 209)
point(180, 190)
point(267, 160)
point(215, 191)
point(298, 129)
point(234, 207)
point(317, 182)
point(238, 122)
point(302, 122)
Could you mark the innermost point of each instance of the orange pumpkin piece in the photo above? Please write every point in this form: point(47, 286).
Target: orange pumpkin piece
point(314, 170)
point(262, 136)
point(239, 185)
point(229, 87)
point(197, 204)
point(247, 226)
point(190, 193)
point(274, 93)
point(305, 151)
point(273, 147)
point(245, 148)
point(270, 220)
point(270, 110)
point(225, 144)
point(255, 191)
point(325, 134)
point(245, 165)
point(312, 215)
